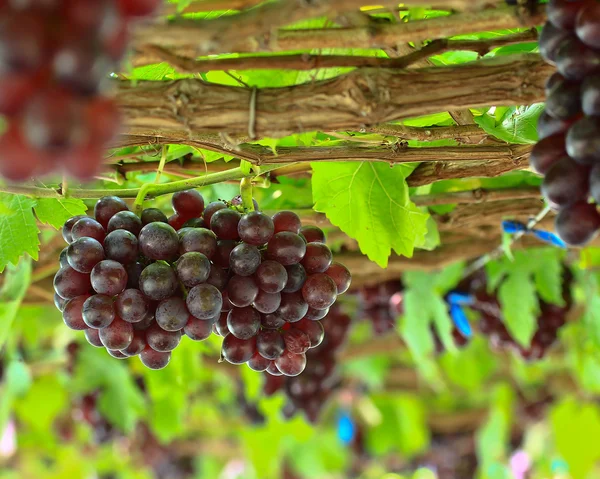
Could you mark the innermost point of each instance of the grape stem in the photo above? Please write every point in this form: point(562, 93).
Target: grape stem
point(246, 194)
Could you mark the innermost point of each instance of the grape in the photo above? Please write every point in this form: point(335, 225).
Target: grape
point(132, 306)
point(312, 234)
point(564, 101)
point(578, 224)
point(243, 323)
point(340, 275)
point(176, 221)
point(313, 329)
point(317, 258)
point(548, 126)
point(218, 277)
point(552, 81)
point(286, 221)
point(221, 325)
point(59, 302)
point(590, 95)
point(227, 306)
point(291, 364)
point(134, 271)
point(237, 351)
point(286, 248)
point(272, 370)
point(319, 291)
point(316, 314)
point(270, 344)
point(138, 343)
point(198, 329)
point(107, 207)
point(121, 246)
point(159, 241)
point(144, 323)
point(211, 209)
point(267, 302)
point(22, 42)
point(244, 259)
point(188, 204)
point(224, 224)
point(93, 337)
point(158, 281)
point(192, 269)
point(88, 228)
point(109, 277)
point(583, 140)
point(68, 227)
point(172, 314)
point(161, 340)
point(125, 220)
point(296, 278)
point(118, 335)
point(199, 240)
point(595, 183)
point(242, 291)
point(138, 8)
point(562, 13)
point(271, 277)
point(296, 341)
point(258, 363)
point(72, 313)
point(69, 283)
point(575, 60)
point(116, 354)
point(204, 301)
point(153, 359)
point(255, 228)
point(567, 182)
point(272, 321)
point(223, 252)
point(195, 223)
point(587, 24)
point(293, 307)
point(98, 311)
point(84, 253)
point(151, 215)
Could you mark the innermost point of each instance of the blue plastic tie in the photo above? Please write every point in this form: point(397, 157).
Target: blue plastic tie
point(460, 298)
point(345, 427)
point(514, 227)
point(460, 320)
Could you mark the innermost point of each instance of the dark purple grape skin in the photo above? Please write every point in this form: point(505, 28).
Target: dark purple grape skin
point(151, 215)
point(218, 277)
point(72, 313)
point(286, 221)
point(107, 207)
point(109, 277)
point(158, 281)
point(59, 302)
point(224, 223)
point(270, 344)
point(316, 314)
point(118, 335)
point(317, 258)
point(267, 303)
point(204, 301)
point(134, 271)
point(319, 291)
point(547, 152)
point(153, 359)
point(125, 220)
point(564, 100)
point(172, 314)
point(590, 95)
point(242, 290)
point(563, 13)
point(84, 253)
point(272, 321)
point(552, 81)
point(198, 329)
point(255, 228)
point(583, 141)
point(575, 60)
point(548, 126)
point(313, 329)
point(93, 337)
point(272, 369)
point(586, 25)
point(161, 340)
point(243, 323)
point(98, 311)
point(62, 259)
point(144, 323)
point(132, 306)
point(188, 204)
point(159, 241)
point(244, 259)
point(237, 351)
point(138, 343)
point(121, 246)
point(88, 228)
point(291, 364)
point(223, 252)
point(199, 240)
point(68, 227)
point(271, 276)
point(293, 307)
point(192, 269)
point(550, 40)
point(286, 248)
point(211, 209)
point(566, 183)
point(296, 341)
point(69, 283)
point(578, 224)
point(258, 363)
point(341, 276)
point(296, 278)
point(195, 223)
point(220, 325)
point(116, 354)
point(595, 183)
point(312, 234)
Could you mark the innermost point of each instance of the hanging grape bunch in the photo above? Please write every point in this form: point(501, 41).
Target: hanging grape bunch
point(54, 56)
point(135, 285)
point(568, 153)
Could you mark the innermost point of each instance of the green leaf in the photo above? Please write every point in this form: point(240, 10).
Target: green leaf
point(370, 203)
point(432, 237)
point(16, 282)
point(520, 306)
point(548, 274)
point(520, 127)
point(18, 231)
point(55, 211)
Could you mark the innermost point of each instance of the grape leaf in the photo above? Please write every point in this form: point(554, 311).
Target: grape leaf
point(548, 274)
point(55, 211)
point(520, 127)
point(370, 203)
point(18, 231)
point(520, 306)
point(16, 281)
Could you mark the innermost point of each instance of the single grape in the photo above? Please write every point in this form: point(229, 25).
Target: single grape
point(590, 95)
point(211, 209)
point(312, 234)
point(237, 351)
point(172, 314)
point(244, 259)
point(88, 228)
point(242, 290)
point(578, 224)
point(255, 228)
point(23, 41)
point(151, 215)
point(138, 8)
point(553, 80)
point(109, 277)
point(125, 220)
point(158, 281)
point(566, 183)
point(267, 302)
point(116, 354)
point(198, 329)
point(84, 253)
point(224, 224)
point(317, 258)
point(583, 140)
point(258, 363)
point(220, 325)
point(296, 341)
point(59, 302)
point(93, 337)
point(341, 277)
point(192, 269)
point(575, 60)
point(195, 223)
point(218, 277)
point(272, 321)
point(286, 248)
point(271, 276)
point(316, 314)
point(548, 126)
point(291, 364)
point(319, 291)
point(132, 306)
point(69, 283)
point(153, 359)
point(204, 301)
point(564, 100)
point(296, 278)
point(161, 340)
point(145, 323)
point(270, 344)
point(158, 241)
point(563, 13)
point(223, 252)
point(273, 371)
point(98, 311)
point(188, 204)
point(586, 24)
point(68, 227)
point(293, 307)
point(286, 221)
point(176, 221)
point(72, 313)
point(107, 207)
point(134, 271)
point(313, 329)
point(118, 335)
point(243, 323)
point(595, 183)
point(199, 240)
point(138, 343)
point(121, 246)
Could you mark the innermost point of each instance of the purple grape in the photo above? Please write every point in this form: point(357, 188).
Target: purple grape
point(93, 337)
point(243, 323)
point(109, 277)
point(69, 283)
point(271, 276)
point(267, 303)
point(198, 329)
point(286, 248)
point(88, 228)
point(132, 306)
point(291, 364)
point(158, 281)
point(296, 278)
point(255, 228)
point(172, 314)
point(161, 340)
point(192, 269)
point(270, 344)
point(244, 259)
point(125, 220)
point(204, 301)
point(68, 227)
point(153, 359)
point(72, 313)
point(242, 290)
point(286, 221)
point(317, 258)
point(319, 291)
point(293, 307)
point(151, 215)
point(158, 241)
point(107, 207)
point(199, 240)
point(138, 344)
point(118, 335)
point(84, 253)
point(224, 224)
point(341, 277)
point(121, 246)
point(237, 351)
point(98, 311)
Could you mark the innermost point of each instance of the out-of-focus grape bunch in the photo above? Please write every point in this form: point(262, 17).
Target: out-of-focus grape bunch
point(55, 56)
point(135, 285)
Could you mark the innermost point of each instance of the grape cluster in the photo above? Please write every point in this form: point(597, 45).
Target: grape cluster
point(135, 285)
point(382, 305)
point(568, 153)
point(54, 55)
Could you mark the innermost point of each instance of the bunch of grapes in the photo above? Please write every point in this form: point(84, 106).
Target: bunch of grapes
point(135, 285)
point(568, 153)
point(382, 305)
point(54, 56)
